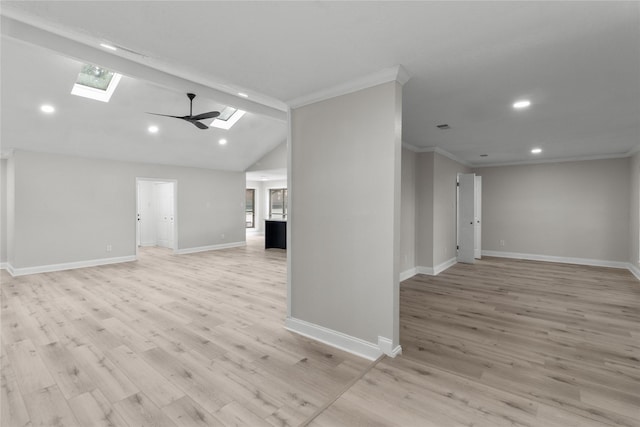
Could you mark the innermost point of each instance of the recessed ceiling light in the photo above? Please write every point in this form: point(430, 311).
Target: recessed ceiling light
point(153, 129)
point(108, 46)
point(536, 150)
point(242, 94)
point(47, 108)
point(222, 141)
point(523, 103)
point(484, 155)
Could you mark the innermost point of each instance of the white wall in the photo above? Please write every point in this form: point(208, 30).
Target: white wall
point(408, 211)
point(436, 177)
point(345, 213)
point(67, 209)
point(571, 209)
point(424, 209)
point(274, 159)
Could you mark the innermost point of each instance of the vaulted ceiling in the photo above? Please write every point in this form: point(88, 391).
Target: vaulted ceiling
point(578, 63)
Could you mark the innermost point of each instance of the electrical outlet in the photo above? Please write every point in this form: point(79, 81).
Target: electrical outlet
point(222, 236)
point(109, 248)
point(503, 243)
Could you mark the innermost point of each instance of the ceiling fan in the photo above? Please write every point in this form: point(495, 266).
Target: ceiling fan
point(191, 118)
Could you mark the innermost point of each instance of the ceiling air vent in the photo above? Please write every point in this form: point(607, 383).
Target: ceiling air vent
point(444, 126)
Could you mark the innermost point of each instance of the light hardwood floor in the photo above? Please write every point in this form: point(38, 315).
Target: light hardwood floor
point(197, 340)
point(507, 343)
point(190, 340)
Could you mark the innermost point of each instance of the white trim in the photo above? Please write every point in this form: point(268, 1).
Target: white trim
point(633, 151)
point(438, 150)
point(417, 149)
point(558, 160)
point(634, 270)
point(397, 73)
point(408, 274)
point(7, 154)
point(97, 94)
point(333, 338)
point(559, 259)
point(434, 271)
point(386, 346)
point(444, 265)
point(67, 265)
point(411, 147)
point(10, 270)
point(290, 218)
point(3, 265)
point(425, 270)
point(173, 181)
point(210, 248)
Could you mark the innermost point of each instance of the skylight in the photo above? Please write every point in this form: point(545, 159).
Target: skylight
point(227, 118)
point(96, 83)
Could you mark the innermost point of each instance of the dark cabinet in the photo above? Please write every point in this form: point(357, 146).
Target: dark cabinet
point(275, 234)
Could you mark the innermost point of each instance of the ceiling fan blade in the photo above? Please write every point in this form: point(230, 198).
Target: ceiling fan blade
point(199, 125)
point(209, 115)
point(167, 115)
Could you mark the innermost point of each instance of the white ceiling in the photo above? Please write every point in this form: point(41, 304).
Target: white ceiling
point(578, 62)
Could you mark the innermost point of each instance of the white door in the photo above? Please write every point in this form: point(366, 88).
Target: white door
point(478, 219)
point(164, 212)
point(146, 216)
point(466, 217)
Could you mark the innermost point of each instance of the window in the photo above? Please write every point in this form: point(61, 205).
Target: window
point(278, 203)
point(96, 83)
point(227, 118)
point(250, 208)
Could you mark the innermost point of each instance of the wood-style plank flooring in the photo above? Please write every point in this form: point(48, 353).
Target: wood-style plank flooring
point(189, 340)
point(198, 340)
point(507, 343)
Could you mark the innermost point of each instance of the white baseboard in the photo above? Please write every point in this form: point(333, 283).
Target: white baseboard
point(386, 346)
point(334, 338)
point(563, 260)
point(408, 274)
point(634, 270)
point(3, 265)
point(445, 265)
point(425, 270)
point(67, 265)
point(434, 271)
point(210, 248)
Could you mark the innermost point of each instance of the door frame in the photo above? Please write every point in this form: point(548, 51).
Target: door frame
point(175, 209)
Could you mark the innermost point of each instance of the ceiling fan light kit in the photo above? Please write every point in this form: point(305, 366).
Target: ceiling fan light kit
point(195, 120)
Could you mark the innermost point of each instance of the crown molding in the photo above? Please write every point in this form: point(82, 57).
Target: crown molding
point(397, 73)
point(7, 153)
point(438, 150)
point(559, 160)
point(634, 150)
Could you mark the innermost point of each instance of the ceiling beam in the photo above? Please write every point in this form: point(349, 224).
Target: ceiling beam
point(66, 46)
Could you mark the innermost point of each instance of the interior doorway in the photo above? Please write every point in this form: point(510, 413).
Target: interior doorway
point(156, 222)
point(469, 211)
